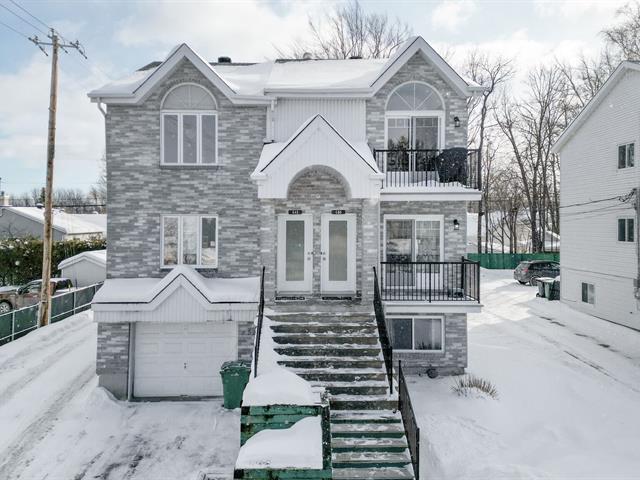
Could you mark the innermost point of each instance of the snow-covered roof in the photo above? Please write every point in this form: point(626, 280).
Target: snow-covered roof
point(597, 99)
point(66, 223)
point(148, 290)
point(97, 219)
point(247, 83)
point(99, 257)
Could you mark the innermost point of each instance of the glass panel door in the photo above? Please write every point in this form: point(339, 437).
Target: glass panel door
point(399, 250)
point(295, 256)
point(338, 253)
point(425, 137)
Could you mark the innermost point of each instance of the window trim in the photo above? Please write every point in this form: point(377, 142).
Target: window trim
point(413, 318)
point(432, 87)
point(626, 230)
point(439, 114)
point(198, 263)
point(180, 114)
point(626, 158)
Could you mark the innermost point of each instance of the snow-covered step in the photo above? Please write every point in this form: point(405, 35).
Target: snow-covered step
point(339, 444)
point(384, 473)
point(367, 430)
point(323, 318)
point(361, 387)
point(348, 363)
point(319, 327)
point(342, 374)
point(363, 402)
point(365, 416)
point(370, 459)
point(347, 350)
point(325, 339)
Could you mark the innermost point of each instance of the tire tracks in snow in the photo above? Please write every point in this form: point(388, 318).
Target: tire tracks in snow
point(31, 436)
point(47, 362)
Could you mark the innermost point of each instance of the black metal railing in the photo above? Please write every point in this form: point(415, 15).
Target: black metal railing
point(256, 348)
point(385, 342)
point(431, 281)
point(411, 429)
point(430, 168)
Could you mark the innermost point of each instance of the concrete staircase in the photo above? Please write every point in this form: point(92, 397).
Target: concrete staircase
point(341, 352)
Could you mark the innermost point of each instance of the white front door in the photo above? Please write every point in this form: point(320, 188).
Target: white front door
point(338, 272)
point(176, 359)
point(295, 253)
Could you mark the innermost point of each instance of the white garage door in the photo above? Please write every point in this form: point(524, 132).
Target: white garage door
point(174, 359)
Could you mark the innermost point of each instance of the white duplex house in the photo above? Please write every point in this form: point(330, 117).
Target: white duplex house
point(600, 273)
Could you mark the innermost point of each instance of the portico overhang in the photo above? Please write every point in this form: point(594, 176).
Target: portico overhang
point(317, 144)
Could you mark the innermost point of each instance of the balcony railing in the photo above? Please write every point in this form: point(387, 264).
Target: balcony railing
point(430, 281)
point(453, 167)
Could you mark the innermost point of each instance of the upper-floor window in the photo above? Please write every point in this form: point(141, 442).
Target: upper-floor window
point(626, 155)
point(190, 240)
point(626, 229)
point(189, 126)
point(414, 118)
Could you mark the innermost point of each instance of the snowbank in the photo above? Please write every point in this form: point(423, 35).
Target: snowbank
point(299, 446)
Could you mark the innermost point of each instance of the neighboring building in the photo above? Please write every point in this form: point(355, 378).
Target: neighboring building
point(598, 221)
point(86, 268)
point(318, 170)
point(29, 222)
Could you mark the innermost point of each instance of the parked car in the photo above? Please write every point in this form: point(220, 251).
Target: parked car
point(529, 272)
point(29, 294)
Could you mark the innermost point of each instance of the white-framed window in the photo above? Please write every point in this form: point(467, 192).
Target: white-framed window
point(588, 293)
point(414, 238)
point(417, 333)
point(189, 127)
point(626, 229)
point(189, 240)
point(626, 155)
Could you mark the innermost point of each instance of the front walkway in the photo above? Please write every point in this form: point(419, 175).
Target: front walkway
point(569, 387)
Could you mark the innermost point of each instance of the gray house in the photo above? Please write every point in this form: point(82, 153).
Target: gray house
point(29, 222)
point(319, 170)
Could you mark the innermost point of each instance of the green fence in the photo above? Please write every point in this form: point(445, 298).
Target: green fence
point(509, 261)
point(18, 323)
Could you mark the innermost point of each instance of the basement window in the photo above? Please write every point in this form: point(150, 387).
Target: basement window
point(420, 333)
point(588, 293)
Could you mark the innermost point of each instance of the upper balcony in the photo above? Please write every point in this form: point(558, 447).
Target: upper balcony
point(449, 171)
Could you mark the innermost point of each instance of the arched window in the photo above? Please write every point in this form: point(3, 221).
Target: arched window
point(414, 96)
point(414, 119)
point(189, 127)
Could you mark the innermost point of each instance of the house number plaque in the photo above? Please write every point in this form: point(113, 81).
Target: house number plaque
point(295, 212)
point(338, 212)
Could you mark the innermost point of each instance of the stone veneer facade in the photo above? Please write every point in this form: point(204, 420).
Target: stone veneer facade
point(141, 191)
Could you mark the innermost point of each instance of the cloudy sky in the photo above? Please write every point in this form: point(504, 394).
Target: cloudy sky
point(121, 36)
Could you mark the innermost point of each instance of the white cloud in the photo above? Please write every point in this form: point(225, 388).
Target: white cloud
point(575, 8)
point(452, 14)
point(23, 125)
point(245, 31)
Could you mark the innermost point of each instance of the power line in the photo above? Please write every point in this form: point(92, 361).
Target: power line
point(618, 197)
point(13, 29)
point(23, 19)
point(30, 14)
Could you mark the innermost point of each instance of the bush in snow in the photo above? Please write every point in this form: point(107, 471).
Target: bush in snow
point(467, 384)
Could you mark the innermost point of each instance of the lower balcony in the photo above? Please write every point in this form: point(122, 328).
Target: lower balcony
point(430, 282)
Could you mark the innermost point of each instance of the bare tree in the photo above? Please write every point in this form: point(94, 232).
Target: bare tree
point(531, 126)
point(350, 31)
point(625, 36)
point(492, 73)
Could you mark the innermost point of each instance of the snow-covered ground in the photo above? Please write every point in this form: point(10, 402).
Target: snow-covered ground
point(569, 395)
point(55, 423)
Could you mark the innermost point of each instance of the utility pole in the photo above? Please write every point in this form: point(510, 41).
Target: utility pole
point(44, 311)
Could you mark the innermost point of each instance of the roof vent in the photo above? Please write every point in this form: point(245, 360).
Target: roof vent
point(224, 59)
point(307, 56)
point(355, 57)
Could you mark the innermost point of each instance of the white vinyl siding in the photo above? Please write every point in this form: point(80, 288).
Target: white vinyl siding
point(189, 240)
point(589, 248)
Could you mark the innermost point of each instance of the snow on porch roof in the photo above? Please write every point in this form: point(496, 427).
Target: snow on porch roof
point(146, 290)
